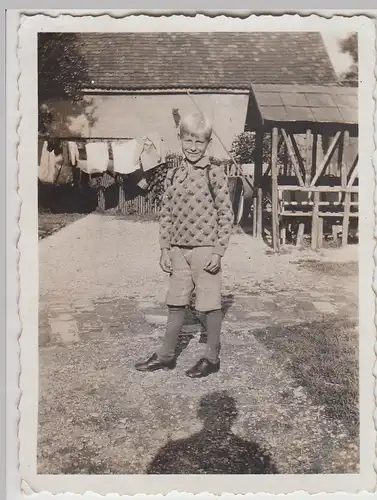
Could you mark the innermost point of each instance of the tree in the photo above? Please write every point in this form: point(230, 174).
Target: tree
point(243, 149)
point(62, 73)
point(349, 45)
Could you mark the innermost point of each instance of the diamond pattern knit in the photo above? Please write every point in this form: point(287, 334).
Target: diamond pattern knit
point(190, 215)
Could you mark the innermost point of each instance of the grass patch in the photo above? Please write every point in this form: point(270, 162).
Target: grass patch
point(335, 268)
point(323, 357)
point(49, 223)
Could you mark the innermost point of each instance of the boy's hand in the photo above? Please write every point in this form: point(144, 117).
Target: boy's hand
point(165, 262)
point(214, 264)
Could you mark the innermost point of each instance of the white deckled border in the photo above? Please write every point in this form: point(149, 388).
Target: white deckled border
point(26, 127)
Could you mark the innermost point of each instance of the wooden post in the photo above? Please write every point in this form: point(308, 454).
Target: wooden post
point(344, 147)
point(275, 193)
point(315, 220)
point(300, 235)
point(314, 155)
point(255, 215)
point(353, 173)
point(343, 167)
point(309, 156)
point(259, 213)
point(283, 235)
point(101, 199)
point(334, 232)
point(346, 218)
point(258, 173)
point(320, 232)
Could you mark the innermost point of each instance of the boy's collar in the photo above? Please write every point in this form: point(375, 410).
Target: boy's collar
point(202, 163)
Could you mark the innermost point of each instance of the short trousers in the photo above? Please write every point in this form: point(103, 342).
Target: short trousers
point(188, 274)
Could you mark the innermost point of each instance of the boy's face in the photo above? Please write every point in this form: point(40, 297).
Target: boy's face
point(194, 146)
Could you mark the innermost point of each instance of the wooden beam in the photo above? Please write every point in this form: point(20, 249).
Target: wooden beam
point(335, 231)
point(315, 221)
point(300, 235)
point(319, 232)
point(101, 199)
point(353, 171)
point(260, 213)
point(314, 155)
point(292, 156)
point(300, 160)
point(283, 233)
point(321, 189)
point(275, 193)
point(323, 165)
point(320, 214)
point(346, 219)
point(343, 167)
point(309, 203)
point(255, 216)
point(309, 156)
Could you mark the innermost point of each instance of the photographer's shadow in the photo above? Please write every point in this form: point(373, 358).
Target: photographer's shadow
point(214, 449)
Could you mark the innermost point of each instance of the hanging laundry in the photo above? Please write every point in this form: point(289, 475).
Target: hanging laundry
point(152, 154)
point(97, 154)
point(47, 165)
point(73, 151)
point(126, 156)
point(143, 184)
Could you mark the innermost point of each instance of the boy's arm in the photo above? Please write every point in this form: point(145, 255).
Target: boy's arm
point(165, 217)
point(224, 210)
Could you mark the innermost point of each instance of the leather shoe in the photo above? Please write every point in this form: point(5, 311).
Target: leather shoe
point(203, 368)
point(153, 364)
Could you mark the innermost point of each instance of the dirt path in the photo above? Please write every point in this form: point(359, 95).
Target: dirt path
point(102, 309)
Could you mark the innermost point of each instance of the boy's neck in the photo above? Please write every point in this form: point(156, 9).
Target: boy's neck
point(203, 162)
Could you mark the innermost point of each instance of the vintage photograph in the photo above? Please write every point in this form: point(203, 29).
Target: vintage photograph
point(198, 252)
point(195, 254)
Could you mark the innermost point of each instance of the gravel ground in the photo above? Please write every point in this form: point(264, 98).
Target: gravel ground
point(101, 309)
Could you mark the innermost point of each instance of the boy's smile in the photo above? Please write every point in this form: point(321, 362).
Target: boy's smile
point(194, 146)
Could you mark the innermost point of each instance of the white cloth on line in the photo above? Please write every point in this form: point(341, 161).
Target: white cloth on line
point(152, 154)
point(97, 158)
point(73, 151)
point(47, 165)
point(143, 184)
point(126, 156)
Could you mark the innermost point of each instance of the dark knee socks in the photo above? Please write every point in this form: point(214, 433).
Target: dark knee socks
point(213, 323)
point(176, 318)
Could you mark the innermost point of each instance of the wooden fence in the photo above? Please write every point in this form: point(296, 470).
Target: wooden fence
point(146, 203)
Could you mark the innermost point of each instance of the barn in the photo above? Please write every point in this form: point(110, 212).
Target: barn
point(135, 82)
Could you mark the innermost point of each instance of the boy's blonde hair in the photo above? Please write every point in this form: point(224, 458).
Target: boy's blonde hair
point(196, 123)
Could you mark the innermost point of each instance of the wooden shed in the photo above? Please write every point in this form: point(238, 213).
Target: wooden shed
point(312, 173)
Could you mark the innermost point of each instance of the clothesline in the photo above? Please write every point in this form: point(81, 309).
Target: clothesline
point(121, 156)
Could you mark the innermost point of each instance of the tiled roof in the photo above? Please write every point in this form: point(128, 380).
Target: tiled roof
point(302, 103)
point(216, 60)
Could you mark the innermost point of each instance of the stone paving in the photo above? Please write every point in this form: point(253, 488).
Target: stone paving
point(98, 415)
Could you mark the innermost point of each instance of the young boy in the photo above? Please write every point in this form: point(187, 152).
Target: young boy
point(195, 227)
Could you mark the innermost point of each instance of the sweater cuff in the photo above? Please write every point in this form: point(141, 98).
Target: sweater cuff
point(219, 250)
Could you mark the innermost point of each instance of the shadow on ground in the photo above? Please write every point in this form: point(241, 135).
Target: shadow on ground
point(214, 449)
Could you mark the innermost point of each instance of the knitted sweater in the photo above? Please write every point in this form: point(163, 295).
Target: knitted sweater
point(192, 216)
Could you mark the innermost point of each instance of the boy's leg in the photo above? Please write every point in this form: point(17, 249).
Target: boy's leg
point(208, 300)
point(213, 323)
point(180, 289)
point(176, 318)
